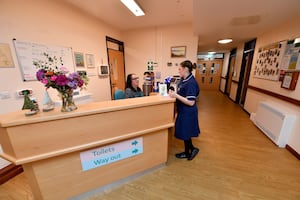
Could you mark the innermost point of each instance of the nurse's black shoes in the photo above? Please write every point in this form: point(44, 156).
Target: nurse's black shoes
point(181, 155)
point(195, 151)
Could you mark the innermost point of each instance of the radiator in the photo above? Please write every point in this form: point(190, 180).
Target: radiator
point(275, 121)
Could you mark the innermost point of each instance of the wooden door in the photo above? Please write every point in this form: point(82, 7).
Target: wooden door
point(117, 70)
point(208, 74)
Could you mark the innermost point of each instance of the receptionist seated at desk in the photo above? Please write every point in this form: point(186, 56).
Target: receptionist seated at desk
point(132, 87)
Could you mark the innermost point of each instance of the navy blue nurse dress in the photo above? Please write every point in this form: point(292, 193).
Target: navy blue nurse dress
point(186, 125)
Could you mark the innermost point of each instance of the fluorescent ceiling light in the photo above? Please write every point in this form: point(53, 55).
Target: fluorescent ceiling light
point(224, 41)
point(133, 7)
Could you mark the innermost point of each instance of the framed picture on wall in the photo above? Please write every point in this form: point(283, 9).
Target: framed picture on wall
point(290, 80)
point(5, 56)
point(90, 60)
point(178, 52)
point(79, 59)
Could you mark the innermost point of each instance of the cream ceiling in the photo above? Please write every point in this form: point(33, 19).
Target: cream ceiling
point(241, 20)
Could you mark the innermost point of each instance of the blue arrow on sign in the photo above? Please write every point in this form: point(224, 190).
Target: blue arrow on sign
point(134, 142)
point(135, 151)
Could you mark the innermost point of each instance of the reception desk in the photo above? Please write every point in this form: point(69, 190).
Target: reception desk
point(67, 154)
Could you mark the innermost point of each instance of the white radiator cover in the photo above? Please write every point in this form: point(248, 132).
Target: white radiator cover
point(275, 121)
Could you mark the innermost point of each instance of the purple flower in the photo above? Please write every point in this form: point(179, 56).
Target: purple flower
point(40, 74)
point(72, 84)
point(61, 80)
point(74, 76)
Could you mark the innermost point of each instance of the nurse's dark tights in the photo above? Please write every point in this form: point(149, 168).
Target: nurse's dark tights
point(188, 146)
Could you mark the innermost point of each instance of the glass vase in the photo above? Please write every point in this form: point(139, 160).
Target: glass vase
point(68, 104)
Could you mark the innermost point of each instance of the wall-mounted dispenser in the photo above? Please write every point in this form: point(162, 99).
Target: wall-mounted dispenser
point(103, 70)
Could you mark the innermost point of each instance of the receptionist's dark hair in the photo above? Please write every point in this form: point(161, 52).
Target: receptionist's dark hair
point(189, 65)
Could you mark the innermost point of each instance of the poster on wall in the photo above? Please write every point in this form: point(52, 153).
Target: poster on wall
point(29, 52)
point(291, 57)
point(268, 63)
point(5, 56)
point(90, 60)
point(79, 60)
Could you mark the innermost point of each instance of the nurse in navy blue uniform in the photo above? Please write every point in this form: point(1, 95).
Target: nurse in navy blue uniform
point(186, 125)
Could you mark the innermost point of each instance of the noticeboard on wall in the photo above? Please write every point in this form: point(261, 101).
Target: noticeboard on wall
point(291, 57)
point(276, 59)
point(28, 52)
point(269, 60)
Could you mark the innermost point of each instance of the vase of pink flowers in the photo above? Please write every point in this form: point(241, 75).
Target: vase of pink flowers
point(58, 77)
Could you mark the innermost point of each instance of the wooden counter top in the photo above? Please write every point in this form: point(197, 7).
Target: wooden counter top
point(19, 118)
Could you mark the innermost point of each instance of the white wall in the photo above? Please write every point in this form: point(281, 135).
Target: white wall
point(288, 30)
point(155, 44)
point(52, 23)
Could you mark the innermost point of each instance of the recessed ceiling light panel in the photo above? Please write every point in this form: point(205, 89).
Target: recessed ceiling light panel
point(225, 41)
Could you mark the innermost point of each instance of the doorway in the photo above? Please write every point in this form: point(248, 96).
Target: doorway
point(208, 74)
point(248, 62)
point(245, 72)
point(116, 61)
point(230, 71)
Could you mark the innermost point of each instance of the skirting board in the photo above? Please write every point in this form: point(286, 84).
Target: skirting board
point(9, 172)
point(295, 153)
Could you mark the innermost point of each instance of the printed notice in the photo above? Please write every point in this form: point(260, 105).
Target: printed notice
point(112, 153)
point(5, 56)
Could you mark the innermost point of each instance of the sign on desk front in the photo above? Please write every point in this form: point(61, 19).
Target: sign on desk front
point(111, 153)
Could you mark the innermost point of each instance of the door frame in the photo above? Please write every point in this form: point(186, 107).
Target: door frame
point(121, 48)
point(229, 72)
point(245, 72)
